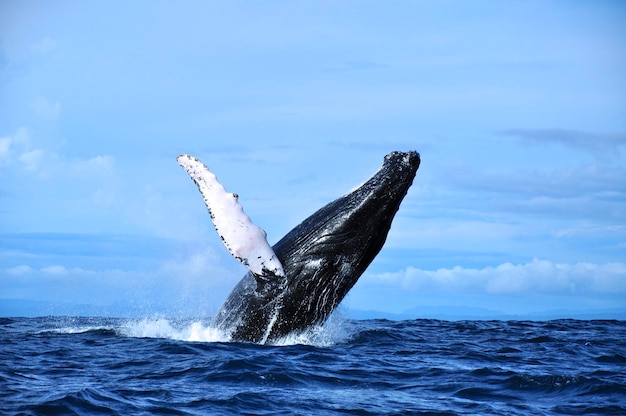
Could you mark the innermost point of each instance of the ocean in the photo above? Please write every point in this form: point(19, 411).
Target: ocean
point(159, 366)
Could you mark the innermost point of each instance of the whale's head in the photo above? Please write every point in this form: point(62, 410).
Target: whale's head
point(325, 255)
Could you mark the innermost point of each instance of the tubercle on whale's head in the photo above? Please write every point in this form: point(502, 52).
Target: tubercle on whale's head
point(407, 158)
point(397, 163)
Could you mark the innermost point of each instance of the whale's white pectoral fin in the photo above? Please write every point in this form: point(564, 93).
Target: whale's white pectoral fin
point(246, 241)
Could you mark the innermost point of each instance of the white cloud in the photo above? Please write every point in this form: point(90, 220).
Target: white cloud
point(56, 270)
point(102, 164)
point(195, 264)
point(20, 270)
point(195, 280)
point(32, 160)
point(535, 277)
point(589, 231)
point(46, 109)
point(19, 150)
point(13, 146)
point(5, 149)
point(597, 143)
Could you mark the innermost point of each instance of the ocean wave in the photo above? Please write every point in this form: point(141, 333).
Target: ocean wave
point(158, 365)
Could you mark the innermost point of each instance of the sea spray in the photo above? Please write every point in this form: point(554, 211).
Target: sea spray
point(176, 329)
point(334, 331)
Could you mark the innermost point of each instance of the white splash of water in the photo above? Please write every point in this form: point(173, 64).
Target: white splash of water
point(332, 332)
point(335, 330)
point(193, 331)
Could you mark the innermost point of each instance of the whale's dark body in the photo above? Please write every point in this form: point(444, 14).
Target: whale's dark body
point(323, 258)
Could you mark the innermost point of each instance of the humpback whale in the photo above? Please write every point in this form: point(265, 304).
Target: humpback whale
point(297, 283)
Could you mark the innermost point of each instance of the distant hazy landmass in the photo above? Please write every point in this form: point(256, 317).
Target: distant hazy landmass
point(31, 308)
point(457, 313)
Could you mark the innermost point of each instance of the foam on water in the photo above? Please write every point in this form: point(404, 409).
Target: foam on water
point(334, 331)
point(331, 333)
point(192, 331)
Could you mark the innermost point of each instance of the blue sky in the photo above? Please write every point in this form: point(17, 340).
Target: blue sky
point(518, 111)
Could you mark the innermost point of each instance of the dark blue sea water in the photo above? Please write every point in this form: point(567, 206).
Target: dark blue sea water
point(184, 367)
